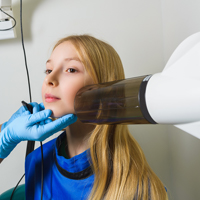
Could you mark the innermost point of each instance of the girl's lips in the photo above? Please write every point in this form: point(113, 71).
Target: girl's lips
point(51, 98)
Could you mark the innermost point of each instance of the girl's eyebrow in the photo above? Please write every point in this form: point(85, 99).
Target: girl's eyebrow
point(67, 59)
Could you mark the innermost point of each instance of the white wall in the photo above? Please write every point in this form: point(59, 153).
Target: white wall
point(180, 20)
point(141, 32)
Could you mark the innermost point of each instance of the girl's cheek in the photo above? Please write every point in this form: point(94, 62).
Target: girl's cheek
point(70, 96)
point(43, 86)
point(42, 91)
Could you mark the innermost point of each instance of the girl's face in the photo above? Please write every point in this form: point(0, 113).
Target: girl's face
point(65, 75)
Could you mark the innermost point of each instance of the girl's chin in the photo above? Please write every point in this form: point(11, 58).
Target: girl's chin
point(59, 111)
point(56, 114)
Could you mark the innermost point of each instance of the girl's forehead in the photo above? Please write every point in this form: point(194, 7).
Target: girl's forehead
point(68, 51)
point(66, 48)
point(65, 51)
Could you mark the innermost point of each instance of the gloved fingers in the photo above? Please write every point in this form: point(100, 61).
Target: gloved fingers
point(50, 128)
point(64, 121)
point(25, 113)
point(22, 114)
point(36, 107)
point(46, 121)
point(20, 110)
point(42, 123)
point(17, 113)
point(41, 106)
point(3, 125)
point(39, 117)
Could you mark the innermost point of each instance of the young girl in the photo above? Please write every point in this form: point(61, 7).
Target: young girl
point(87, 161)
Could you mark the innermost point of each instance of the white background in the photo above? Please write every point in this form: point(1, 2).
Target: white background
point(144, 33)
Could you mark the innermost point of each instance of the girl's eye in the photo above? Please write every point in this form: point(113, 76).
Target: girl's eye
point(71, 70)
point(47, 71)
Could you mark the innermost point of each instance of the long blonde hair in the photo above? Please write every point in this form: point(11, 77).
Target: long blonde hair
point(120, 167)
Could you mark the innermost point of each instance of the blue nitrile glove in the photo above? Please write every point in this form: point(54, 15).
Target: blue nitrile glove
point(34, 127)
point(36, 108)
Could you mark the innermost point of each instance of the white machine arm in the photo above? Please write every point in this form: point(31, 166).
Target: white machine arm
point(173, 96)
point(5, 5)
point(5, 20)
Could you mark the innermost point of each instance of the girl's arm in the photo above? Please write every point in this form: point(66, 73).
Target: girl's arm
point(0, 127)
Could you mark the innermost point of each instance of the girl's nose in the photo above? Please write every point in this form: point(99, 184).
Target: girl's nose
point(51, 80)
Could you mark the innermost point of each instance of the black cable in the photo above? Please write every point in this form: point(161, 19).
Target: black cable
point(42, 165)
point(22, 38)
point(16, 186)
point(42, 170)
point(11, 18)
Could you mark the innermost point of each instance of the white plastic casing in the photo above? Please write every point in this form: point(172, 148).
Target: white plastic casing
point(173, 100)
point(7, 34)
point(5, 5)
point(173, 96)
point(5, 21)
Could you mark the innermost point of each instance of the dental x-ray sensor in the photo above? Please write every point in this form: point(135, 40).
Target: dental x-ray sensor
point(169, 97)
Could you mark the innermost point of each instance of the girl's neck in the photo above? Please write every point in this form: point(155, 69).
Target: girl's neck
point(77, 135)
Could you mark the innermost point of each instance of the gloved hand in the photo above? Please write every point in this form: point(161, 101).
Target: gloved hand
point(36, 108)
point(35, 127)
